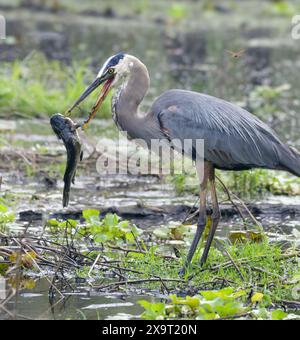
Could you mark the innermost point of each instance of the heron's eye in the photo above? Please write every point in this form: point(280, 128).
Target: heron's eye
point(111, 70)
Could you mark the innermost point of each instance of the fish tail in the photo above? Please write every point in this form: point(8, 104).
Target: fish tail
point(66, 195)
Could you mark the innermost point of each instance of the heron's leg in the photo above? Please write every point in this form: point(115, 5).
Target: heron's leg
point(215, 216)
point(202, 218)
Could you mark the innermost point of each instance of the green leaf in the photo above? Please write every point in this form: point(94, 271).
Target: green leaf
point(124, 224)
point(101, 238)
point(193, 302)
point(153, 311)
point(29, 284)
point(162, 233)
point(257, 297)
point(3, 209)
point(90, 214)
point(278, 315)
point(229, 309)
point(53, 223)
point(72, 223)
point(111, 220)
point(223, 294)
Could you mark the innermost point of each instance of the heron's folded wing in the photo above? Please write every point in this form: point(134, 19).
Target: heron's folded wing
point(233, 138)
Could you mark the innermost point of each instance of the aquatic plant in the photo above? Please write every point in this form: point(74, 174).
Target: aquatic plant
point(212, 305)
point(6, 216)
point(251, 280)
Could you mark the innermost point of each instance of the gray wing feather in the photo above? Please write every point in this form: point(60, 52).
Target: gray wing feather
point(234, 138)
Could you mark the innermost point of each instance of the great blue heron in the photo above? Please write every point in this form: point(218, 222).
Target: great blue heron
point(234, 138)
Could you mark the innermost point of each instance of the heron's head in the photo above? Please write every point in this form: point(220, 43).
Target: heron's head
point(114, 69)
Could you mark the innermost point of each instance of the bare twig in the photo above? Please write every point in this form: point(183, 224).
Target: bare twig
point(234, 264)
point(127, 250)
point(230, 199)
point(134, 282)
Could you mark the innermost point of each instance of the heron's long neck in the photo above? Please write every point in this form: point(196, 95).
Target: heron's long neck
point(127, 99)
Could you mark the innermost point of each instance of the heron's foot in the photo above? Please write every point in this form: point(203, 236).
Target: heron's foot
point(183, 274)
point(203, 260)
point(204, 257)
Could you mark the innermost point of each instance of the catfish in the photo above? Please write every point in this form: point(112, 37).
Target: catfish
point(66, 130)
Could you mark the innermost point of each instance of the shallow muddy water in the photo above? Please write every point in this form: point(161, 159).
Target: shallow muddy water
point(36, 304)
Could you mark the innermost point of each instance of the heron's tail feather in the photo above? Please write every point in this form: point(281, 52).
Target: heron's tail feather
point(292, 161)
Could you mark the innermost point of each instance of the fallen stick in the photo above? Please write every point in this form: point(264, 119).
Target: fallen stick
point(134, 282)
point(127, 250)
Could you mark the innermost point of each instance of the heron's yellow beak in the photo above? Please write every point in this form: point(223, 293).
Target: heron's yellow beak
point(105, 90)
point(107, 80)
